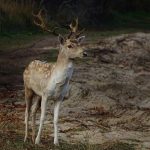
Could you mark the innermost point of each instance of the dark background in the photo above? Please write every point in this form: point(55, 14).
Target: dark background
point(16, 15)
point(110, 91)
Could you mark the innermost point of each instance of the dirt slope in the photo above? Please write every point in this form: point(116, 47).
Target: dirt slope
point(110, 95)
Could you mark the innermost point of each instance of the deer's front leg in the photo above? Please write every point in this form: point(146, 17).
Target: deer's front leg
point(56, 114)
point(67, 92)
point(43, 111)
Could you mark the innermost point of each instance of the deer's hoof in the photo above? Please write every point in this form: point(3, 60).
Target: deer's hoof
point(56, 143)
point(25, 139)
point(37, 141)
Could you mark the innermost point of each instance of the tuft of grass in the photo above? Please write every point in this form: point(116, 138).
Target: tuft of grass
point(12, 141)
point(11, 138)
point(18, 144)
point(120, 146)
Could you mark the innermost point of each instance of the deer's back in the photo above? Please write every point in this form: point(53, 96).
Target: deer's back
point(36, 75)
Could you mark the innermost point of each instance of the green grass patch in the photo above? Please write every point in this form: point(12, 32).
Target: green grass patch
point(121, 23)
point(10, 41)
point(136, 20)
point(18, 40)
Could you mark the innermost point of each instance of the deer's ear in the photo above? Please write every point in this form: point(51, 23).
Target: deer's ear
point(80, 39)
point(61, 39)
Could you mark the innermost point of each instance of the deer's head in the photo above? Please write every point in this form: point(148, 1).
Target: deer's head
point(69, 45)
point(72, 47)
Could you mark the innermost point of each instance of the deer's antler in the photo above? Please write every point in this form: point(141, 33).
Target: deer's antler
point(42, 23)
point(74, 29)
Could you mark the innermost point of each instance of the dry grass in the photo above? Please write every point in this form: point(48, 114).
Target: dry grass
point(12, 134)
point(13, 141)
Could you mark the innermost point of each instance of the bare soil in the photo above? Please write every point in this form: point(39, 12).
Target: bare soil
point(110, 91)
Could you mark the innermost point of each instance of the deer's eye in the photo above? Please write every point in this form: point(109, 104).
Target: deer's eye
point(70, 46)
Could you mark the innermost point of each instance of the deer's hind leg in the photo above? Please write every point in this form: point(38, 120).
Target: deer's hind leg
point(43, 112)
point(36, 105)
point(28, 99)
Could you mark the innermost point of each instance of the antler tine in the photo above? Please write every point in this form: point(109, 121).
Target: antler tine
point(73, 28)
point(42, 23)
point(79, 33)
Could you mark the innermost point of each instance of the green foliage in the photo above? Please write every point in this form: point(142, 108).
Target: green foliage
point(138, 20)
point(16, 15)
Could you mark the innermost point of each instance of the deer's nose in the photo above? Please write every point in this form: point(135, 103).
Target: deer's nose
point(85, 54)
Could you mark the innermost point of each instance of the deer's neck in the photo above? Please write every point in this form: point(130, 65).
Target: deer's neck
point(63, 68)
point(62, 71)
point(63, 61)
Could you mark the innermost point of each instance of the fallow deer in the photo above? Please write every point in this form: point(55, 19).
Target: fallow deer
point(44, 80)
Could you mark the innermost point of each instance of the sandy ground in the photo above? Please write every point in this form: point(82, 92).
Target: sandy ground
point(110, 91)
